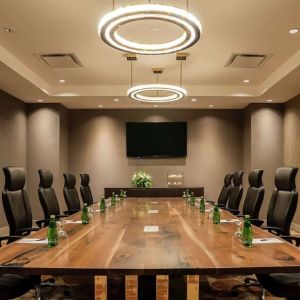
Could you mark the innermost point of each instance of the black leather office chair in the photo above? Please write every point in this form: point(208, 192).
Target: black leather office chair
point(48, 197)
point(70, 193)
point(254, 196)
point(283, 202)
point(283, 285)
point(13, 285)
point(236, 191)
point(16, 203)
point(85, 190)
point(225, 191)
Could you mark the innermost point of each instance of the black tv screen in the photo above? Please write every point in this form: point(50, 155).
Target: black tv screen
point(159, 139)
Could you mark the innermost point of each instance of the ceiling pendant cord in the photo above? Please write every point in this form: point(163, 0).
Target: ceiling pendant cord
point(157, 83)
point(187, 5)
point(131, 74)
point(180, 75)
point(113, 4)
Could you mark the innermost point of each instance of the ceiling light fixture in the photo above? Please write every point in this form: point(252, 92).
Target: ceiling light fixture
point(116, 100)
point(194, 100)
point(170, 93)
point(210, 105)
point(269, 100)
point(100, 105)
point(62, 81)
point(111, 22)
point(293, 30)
point(40, 100)
point(8, 30)
point(246, 80)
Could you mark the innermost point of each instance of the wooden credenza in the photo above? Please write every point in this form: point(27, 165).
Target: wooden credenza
point(154, 192)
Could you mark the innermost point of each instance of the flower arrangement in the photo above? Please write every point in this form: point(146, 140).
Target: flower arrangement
point(141, 179)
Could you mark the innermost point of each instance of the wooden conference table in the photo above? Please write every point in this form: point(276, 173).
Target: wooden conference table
point(184, 242)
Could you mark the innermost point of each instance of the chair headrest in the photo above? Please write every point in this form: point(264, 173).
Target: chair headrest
point(285, 178)
point(70, 180)
point(14, 178)
point(255, 178)
point(227, 179)
point(85, 179)
point(237, 178)
point(46, 178)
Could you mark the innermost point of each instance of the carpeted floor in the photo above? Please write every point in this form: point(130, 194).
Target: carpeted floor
point(210, 288)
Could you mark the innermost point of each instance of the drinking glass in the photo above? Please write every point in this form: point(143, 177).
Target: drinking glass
point(61, 233)
point(238, 232)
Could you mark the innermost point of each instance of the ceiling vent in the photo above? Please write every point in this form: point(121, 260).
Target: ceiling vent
point(246, 60)
point(60, 60)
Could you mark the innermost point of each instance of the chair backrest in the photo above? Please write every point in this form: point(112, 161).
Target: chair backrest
point(85, 190)
point(15, 200)
point(255, 194)
point(237, 190)
point(47, 194)
point(226, 190)
point(70, 192)
point(284, 200)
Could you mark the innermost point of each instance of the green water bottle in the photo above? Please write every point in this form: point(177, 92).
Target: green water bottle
point(192, 201)
point(113, 199)
point(216, 215)
point(85, 214)
point(102, 205)
point(52, 232)
point(202, 205)
point(247, 232)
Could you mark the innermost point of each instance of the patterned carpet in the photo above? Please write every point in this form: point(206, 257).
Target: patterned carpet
point(210, 288)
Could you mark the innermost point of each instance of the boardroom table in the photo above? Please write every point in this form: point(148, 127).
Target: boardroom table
point(148, 236)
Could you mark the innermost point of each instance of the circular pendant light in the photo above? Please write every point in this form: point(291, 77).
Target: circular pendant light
point(177, 93)
point(109, 24)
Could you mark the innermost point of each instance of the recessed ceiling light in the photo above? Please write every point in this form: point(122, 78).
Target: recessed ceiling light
point(211, 105)
point(100, 105)
point(62, 81)
point(194, 99)
point(269, 100)
point(293, 30)
point(155, 105)
point(246, 80)
point(116, 100)
point(40, 100)
point(8, 30)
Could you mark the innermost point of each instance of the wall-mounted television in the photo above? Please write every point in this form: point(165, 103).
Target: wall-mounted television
point(156, 139)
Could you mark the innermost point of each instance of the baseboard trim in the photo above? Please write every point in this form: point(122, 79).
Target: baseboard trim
point(4, 230)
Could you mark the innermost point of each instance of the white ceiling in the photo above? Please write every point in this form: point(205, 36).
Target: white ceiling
point(231, 26)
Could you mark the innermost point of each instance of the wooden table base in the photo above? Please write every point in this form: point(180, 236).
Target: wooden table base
point(162, 287)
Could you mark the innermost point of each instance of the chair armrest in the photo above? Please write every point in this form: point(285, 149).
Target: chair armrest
point(231, 210)
point(257, 222)
point(26, 231)
point(211, 202)
point(9, 238)
point(60, 216)
point(42, 223)
point(70, 212)
point(272, 229)
point(295, 240)
point(221, 205)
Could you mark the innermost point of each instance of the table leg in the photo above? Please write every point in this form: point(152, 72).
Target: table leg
point(100, 288)
point(131, 287)
point(162, 287)
point(192, 287)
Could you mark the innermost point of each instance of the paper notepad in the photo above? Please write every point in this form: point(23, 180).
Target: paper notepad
point(72, 222)
point(32, 241)
point(153, 211)
point(229, 221)
point(150, 228)
point(271, 240)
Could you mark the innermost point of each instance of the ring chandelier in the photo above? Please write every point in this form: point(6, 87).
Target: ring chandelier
point(174, 92)
point(109, 24)
point(177, 93)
